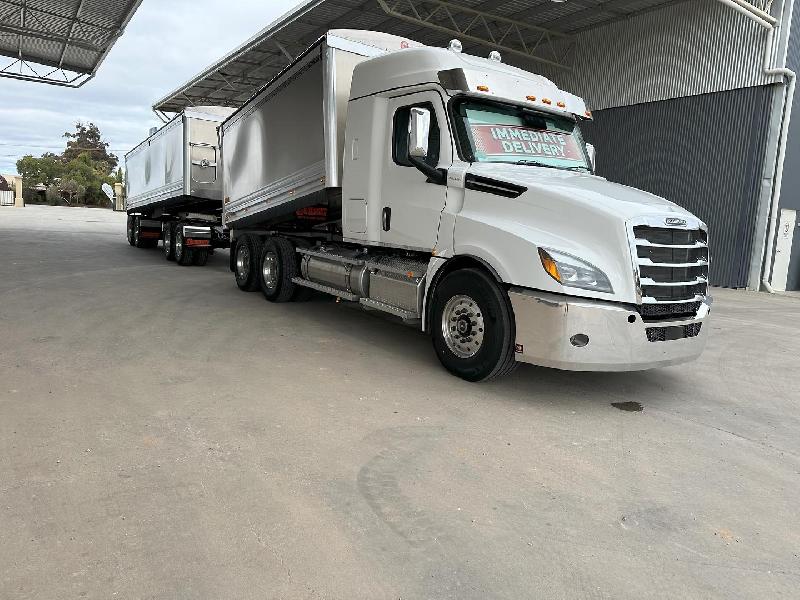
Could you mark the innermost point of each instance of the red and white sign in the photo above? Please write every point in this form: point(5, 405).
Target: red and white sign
point(511, 140)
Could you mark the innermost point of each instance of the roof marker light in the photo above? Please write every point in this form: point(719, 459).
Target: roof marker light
point(547, 101)
point(561, 105)
point(483, 88)
point(495, 56)
point(531, 98)
point(455, 46)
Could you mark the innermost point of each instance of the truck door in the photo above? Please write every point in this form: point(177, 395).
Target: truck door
point(411, 206)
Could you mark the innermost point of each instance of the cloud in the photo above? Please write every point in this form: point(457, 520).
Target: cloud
point(165, 45)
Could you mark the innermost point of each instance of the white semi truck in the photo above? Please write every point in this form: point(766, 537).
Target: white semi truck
point(456, 193)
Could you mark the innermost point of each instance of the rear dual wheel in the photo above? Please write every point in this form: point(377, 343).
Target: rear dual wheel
point(136, 239)
point(168, 236)
point(278, 266)
point(246, 255)
point(129, 230)
point(183, 255)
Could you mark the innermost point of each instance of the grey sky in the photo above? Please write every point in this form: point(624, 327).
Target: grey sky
point(165, 44)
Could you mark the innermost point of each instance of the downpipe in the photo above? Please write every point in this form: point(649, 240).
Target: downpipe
point(766, 20)
point(783, 143)
point(776, 191)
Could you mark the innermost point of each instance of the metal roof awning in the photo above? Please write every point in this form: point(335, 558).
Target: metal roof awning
point(525, 31)
point(60, 42)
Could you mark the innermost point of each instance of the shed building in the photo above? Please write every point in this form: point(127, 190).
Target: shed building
point(692, 99)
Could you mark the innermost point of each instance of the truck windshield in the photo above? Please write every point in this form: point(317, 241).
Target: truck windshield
point(497, 132)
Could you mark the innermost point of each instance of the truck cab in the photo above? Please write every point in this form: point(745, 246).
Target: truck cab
point(468, 204)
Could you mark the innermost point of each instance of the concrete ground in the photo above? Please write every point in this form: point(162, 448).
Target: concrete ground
point(164, 435)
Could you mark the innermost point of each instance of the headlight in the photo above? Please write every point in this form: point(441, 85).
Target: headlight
point(571, 271)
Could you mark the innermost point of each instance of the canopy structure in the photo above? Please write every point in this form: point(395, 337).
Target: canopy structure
point(60, 42)
point(524, 31)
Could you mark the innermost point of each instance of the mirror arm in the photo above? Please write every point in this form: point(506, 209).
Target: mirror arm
point(437, 176)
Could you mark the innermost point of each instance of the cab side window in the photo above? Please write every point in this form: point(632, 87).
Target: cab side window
point(401, 124)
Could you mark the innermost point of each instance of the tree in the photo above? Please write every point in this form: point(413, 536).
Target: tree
point(46, 170)
point(89, 176)
point(87, 139)
point(72, 191)
point(77, 175)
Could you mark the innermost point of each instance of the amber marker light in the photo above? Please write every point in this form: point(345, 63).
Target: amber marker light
point(483, 88)
point(531, 98)
point(562, 105)
point(547, 101)
point(549, 265)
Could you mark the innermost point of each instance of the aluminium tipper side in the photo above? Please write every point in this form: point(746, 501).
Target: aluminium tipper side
point(178, 161)
point(285, 145)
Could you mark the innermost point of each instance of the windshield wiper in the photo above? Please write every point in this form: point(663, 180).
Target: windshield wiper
point(536, 163)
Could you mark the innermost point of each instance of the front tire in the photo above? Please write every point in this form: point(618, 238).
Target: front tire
point(473, 326)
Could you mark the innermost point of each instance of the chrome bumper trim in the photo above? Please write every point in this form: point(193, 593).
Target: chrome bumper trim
point(546, 322)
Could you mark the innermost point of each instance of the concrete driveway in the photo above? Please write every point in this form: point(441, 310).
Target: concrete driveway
point(164, 435)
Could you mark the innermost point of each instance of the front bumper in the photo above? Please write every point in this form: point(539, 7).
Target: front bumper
point(547, 322)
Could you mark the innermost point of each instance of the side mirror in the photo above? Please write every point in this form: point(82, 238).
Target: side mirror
point(419, 131)
point(591, 152)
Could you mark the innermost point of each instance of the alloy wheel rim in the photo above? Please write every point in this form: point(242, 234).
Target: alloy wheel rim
point(243, 261)
point(463, 326)
point(269, 270)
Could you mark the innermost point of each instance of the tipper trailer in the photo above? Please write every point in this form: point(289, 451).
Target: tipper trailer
point(456, 193)
point(174, 188)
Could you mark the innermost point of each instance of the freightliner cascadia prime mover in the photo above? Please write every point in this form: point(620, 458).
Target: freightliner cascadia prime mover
point(174, 188)
point(456, 193)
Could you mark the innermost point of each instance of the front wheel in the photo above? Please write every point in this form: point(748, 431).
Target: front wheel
point(473, 326)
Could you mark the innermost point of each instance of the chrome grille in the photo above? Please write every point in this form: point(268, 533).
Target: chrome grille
point(672, 265)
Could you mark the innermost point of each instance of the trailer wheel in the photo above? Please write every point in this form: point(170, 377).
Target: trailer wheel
point(246, 263)
point(183, 255)
point(473, 326)
point(137, 240)
point(129, 230)
point(200, 257)
point(169, 241)
point(277, 267)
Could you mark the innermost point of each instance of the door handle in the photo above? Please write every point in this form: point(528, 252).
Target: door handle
point(386, 218)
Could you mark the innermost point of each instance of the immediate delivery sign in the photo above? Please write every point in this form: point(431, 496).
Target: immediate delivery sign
point(512, 140)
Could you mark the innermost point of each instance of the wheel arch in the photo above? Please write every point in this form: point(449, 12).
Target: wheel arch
point(463, 261)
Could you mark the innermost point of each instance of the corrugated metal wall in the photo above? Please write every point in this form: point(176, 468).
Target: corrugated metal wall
point(695, 47)
point(705, 153)
point(790, 196)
